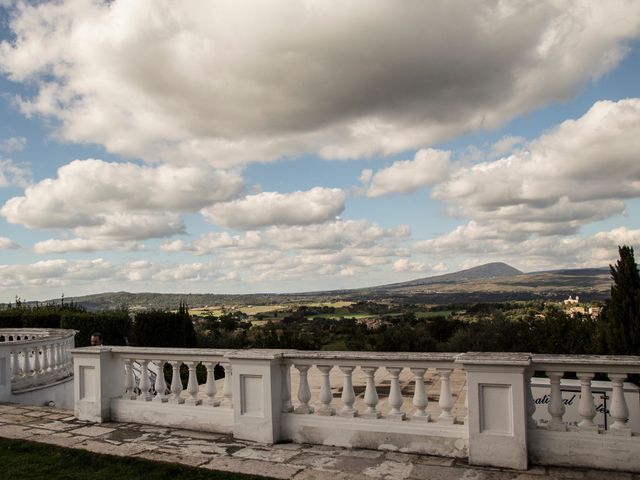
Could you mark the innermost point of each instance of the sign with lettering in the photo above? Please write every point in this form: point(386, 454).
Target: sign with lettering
point(541, 390)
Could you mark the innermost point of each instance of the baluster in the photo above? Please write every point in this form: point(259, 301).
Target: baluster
point(420, 400)
point(304, 393)
point(531, 404)
point(556, 405)
point(370, 394)
point(15, 364)
point(326, 396)
point(26, 368)
point(58, 348)
point(129, 383)
point(36, 360)
point(176, 384)
point(161, 384)
point(192, 385)
point(145, 384)
point(446, 399)
point(45, 358)
point(227, 387)
point(586, 407)
point(286, 388)
point(210, 389)
point(348, 395)
point(395, 394)
point(618, 410)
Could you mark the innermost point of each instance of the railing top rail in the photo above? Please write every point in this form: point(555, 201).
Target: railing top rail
point(628, 363)
point(372, 356)
point(43, 334)
point(155, 352)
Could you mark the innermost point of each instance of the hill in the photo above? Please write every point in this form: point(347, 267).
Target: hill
point(492, 282)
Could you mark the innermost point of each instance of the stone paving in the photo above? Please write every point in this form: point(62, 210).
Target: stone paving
point(223, 452)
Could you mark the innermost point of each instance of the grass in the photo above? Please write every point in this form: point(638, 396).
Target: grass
point(21, 459)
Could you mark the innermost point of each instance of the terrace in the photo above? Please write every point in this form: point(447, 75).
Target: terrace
point(457, 409)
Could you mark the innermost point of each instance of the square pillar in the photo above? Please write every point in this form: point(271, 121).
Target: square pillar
point(98, 377)
point(497, 417)
point(257, 394)
point(5, 372)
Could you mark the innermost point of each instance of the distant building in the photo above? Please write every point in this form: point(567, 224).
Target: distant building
point(572, 301)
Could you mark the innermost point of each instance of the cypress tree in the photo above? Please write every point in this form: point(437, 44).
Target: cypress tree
point(622, 312)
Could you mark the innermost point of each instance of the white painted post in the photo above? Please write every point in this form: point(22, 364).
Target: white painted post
point(348, 395)
point(497, 408)
point(420, 399)
point(446, 398)
point(325, 408)
point(129, 382)
point(257, 394)
point(556, 405)
point(176, 384)
point(192, 385)
point(304, 393)
point(586, 407)
point(210, 389)
point(395, 395)
point(161, 384)
point(97, 380)
point(370, 394)
point(619, 410)
point(145, 384)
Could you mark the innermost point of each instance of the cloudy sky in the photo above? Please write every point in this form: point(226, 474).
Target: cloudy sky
point(281, 146)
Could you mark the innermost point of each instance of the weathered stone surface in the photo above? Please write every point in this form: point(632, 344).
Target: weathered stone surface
point(312, 474)
point(190, 460)
point(390, 470)
point(93, 431)
point(269, 454)
point(256, 467)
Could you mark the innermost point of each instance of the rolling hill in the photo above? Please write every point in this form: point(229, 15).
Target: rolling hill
point(492, 282)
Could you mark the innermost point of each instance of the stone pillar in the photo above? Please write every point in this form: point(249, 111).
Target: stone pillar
point(497, 419)
point(98, 377)
point(257, 394)
point(6, 354)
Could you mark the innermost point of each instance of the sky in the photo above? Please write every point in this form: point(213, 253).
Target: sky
point(288, 146)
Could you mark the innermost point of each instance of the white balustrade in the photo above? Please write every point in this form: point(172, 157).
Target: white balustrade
point(395, 395)
point(619, 411)
point(176, 384)
point(145, 385)
point(304, 393)
point(325, 392)
point(285, 386)
point(446, 398)
point(227, 389)
point(192, 385)
point(210, 389)
point(586, 407)
point(161, 384)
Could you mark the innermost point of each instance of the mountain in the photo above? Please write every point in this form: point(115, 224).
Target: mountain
point(492, 282)
point(488, 270)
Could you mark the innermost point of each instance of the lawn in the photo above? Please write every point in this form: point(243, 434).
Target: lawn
point(21, 460)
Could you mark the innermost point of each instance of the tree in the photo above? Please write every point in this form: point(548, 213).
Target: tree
point(622, 311)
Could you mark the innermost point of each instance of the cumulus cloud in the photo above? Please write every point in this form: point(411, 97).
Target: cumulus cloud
point(577, 173)
point(204, 81)
point(8, 244)
point(272, 208)
point(57, 272)
point(119, 201)
point(428, 167)
point(56, 245)
point(14, 174)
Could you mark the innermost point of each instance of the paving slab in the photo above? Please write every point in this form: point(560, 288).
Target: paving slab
point(255, 467)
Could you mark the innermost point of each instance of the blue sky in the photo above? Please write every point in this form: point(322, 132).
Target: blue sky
point(283, 146)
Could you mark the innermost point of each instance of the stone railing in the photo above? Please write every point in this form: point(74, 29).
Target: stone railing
point(475, 405)
point(37, 356)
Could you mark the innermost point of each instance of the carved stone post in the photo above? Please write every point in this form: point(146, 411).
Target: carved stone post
point(210, 389)
point(420, 400)
point(395, 395)
point(446, 399)
point(348, 395)
point(325, 392)
point(586, 407)
point(370, 394)
point(145, 385)
point(176, 384)
point(304, 393)
point(619, 410)
point(556, 405)
point(161, 384)
point(285, 371)
point(192, 385)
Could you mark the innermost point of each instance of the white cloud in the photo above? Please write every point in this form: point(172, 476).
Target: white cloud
point(13, 144)
point(577, 173)
point(120, 201)
point(428, 167)
point(53, 273)
point(506, 144)
point(8, 244)
point(272, 208)
point(203, 81)
point(12, 174)
point(55, 245)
